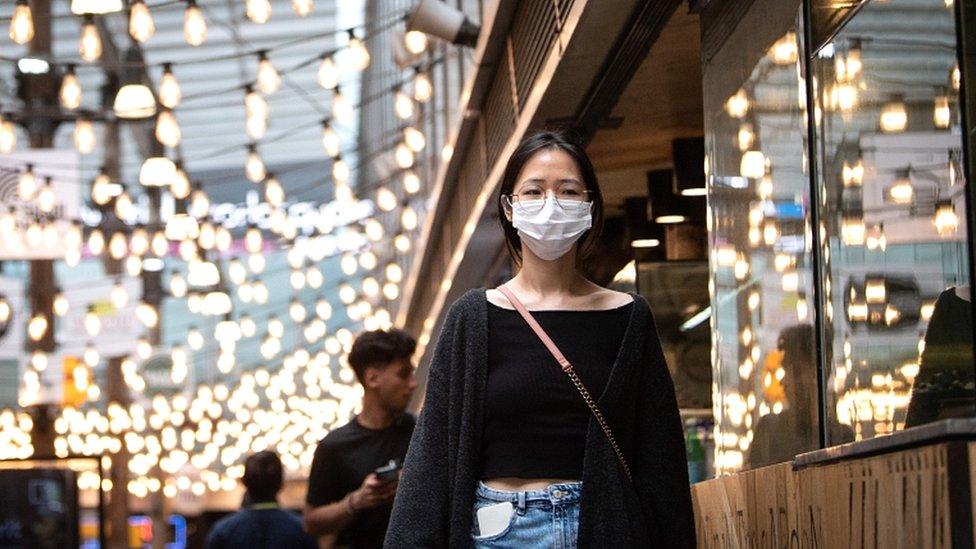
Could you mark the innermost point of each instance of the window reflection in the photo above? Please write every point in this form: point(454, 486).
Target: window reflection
point(893, 236)
point(764, 364)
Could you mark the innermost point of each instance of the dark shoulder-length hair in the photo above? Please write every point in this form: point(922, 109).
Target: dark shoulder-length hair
point(537, 142)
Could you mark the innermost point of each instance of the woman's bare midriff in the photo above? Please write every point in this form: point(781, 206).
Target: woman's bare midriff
point(512, 484)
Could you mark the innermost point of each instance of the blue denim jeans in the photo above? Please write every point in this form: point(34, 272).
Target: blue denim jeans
point(546, 518)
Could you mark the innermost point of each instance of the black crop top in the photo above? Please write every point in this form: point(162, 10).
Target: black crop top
point(535, 420)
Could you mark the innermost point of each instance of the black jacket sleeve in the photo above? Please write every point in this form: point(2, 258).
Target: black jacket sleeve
point(421, 510)
point(661, 468)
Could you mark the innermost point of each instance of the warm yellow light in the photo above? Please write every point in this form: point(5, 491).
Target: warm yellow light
point(27, 184)
point(342, 109)
point(194, 24)
point(945, 220)
point(274, 194)
point(340, 170)
point(170, 93)
point(70, 93)
point(753, 164)
point(84, 136)
point(157, 171)
point(168, 129)
point(902, 192)
point(853, 175)
point(89, 44)
point(404, 156)
point(330, 140)
point(60, 304)
point(852, 231)
point(415, 42)
point(141, 25)
point(411, 182)
point(37, 327)
point(268, 79)
point(328, 74)
point(403, 105)
point(785, 50)
point(385, 199)
point(737, 105)
point(8, 135)
point(414, 138)
point(942, 114)
point(258, 11)
point(302, 7)
point(408, 219)
point(45, 197)
point(894, 117)
point(358, 54)
point(874, 290)
point(22, 23)
point(254, 166)
point(134, 101)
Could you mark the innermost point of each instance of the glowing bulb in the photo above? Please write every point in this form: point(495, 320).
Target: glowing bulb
point(256, 114)
point(738, 105)
point(254, 166)
point(93, 324)
point(404, 156)
point(253, 240)
point(177, 285)
point(328, 74)
point(302, 7)
point(415, 41)
point(753, 164)
point(340, 170)
point(268, 80)
point(90, 44)
point(942, 114)
point(96, 242)
point(37, 327)
point(22, 23)
point(402, 243)
point(169, 91)
point(358, 54)
point(70, 93)
point(408, 219)
point(119, 296)
point(194, 24)
point(273, 192)
point(945, 220)
point(117, 246)
point(423, 89)
point(60, 304)
point(180, 186)
point(194, 338)
point(414, 138)
point(403, 105)
point(342, 108)
point(8, 135)
point(894, 117)
point(902, 191)
point(276, 328)
point(27, 184)
point(385, 199)
point(168, 129)
point(411, 182)
point(45, 197)
point(84, 136)
point(141, 25)
point(258, 11)
point(394, 273)
point(330, 140)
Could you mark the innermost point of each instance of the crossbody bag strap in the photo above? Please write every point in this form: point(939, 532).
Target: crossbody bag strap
point(570, 372)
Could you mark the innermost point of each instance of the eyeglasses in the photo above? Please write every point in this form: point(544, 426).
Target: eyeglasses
point(531, 200)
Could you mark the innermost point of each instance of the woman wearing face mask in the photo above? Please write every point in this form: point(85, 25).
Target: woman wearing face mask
point(550, 417)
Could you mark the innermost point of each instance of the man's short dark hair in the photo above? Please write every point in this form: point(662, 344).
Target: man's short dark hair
point(377, 349)
point(262, 476)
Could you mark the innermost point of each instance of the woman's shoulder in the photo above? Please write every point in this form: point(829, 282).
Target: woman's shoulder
point(468, 304)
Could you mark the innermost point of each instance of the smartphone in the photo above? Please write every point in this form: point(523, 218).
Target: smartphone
point(388, 472)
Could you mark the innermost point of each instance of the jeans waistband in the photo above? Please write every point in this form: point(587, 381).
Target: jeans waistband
point(564, 492)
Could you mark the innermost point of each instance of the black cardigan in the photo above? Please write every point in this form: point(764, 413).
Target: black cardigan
point(433, 506)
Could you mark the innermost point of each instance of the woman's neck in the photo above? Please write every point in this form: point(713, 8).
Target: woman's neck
point(545, 278)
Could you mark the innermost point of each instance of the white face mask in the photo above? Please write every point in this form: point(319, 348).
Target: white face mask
point(552, 231)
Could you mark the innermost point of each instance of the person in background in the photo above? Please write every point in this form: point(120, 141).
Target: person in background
point(261, 524)
point(348, 504)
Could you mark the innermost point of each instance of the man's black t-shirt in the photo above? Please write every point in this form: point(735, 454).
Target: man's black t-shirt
point(343, 459)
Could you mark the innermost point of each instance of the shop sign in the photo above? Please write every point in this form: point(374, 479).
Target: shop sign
point(120, 327)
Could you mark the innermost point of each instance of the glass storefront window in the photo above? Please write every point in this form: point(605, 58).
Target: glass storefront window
point(764, 356)
point(896, 317)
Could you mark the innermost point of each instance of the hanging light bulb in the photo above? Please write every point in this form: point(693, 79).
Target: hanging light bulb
point(403, 105)
point(297, 311)
point(199, 203)
point(22, 23)
point(404, 156)
point(411, 182)
point(157, 171)
point(328, 75)
point(37, 327)
point(180, 186)
point(945, 220)
point(408, 219)
point(96, 242)
point(27, 184)
point(147, 314)
point(253, 241)
point(330, 140)
point(414, 138)
point(942, 114)
point(358, 54)
point(117, 246)
point(207, 240)
point(143, 348)
point(45, 197)
point(302, 7)
point(955, 77)
point(93, 324)
point(159, 244)
point(342, 109)
point(194, 338)
point(268, 80)
point(273, 192)
point(90, 44)
point(194, 24)
point(139, 242)
point(70, 94)
point(120, 297)
point(168, 129)
point(102, 188)
point(141, 25)
point(902, 191)
point(256, 113)
point(385, 199)
point(258, 11)
point(134, 101)
point(254, 166)
point(340, 170)
point(84, 135)
point(415, 42)
point(423, 90)
point(177, 284)
point(169, 91)
point(8, 134)
point(894, 117)
point(60, 304)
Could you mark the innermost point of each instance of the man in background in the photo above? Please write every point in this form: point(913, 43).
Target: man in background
point(348, 503)
point(261, 524)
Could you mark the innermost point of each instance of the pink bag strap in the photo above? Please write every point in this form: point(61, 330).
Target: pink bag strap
point(570, 372)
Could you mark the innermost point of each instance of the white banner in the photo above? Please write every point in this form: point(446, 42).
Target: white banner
point(120, 329)
point(61, 165)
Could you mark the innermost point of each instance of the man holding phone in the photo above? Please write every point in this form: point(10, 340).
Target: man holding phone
point(356, 467)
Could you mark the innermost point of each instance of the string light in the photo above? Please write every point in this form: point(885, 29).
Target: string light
point(96, 242)
point(37, 327)
point(358, 54)
point(141, 25)
point(90, 44)
point(157, 171)
point(403, 105)
point(423, 89)
point(45, 197)
point(385, 199)
point(92, 323)
point(8, 134)
point(274, 194)
point(415, 42)
point(342, 109)
point(330, 140)
point(340, 170)
point(256, 113)
point(254, 168)
point(414, 138)
point(253, 241)
point(139, 242)
point(328, 74)
point(169, 91)
point(84, 136)
point(168, 129)
point(180, 186)
point(404, 156)
point(258, 11)
point(302, 7)
point(134, 101)
point(194, 24)
point(268, 80)
point(27, 184)
point(411, 182)
point(22, 23)
point(70, 93)
point(199, 203)
point(60, 304)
